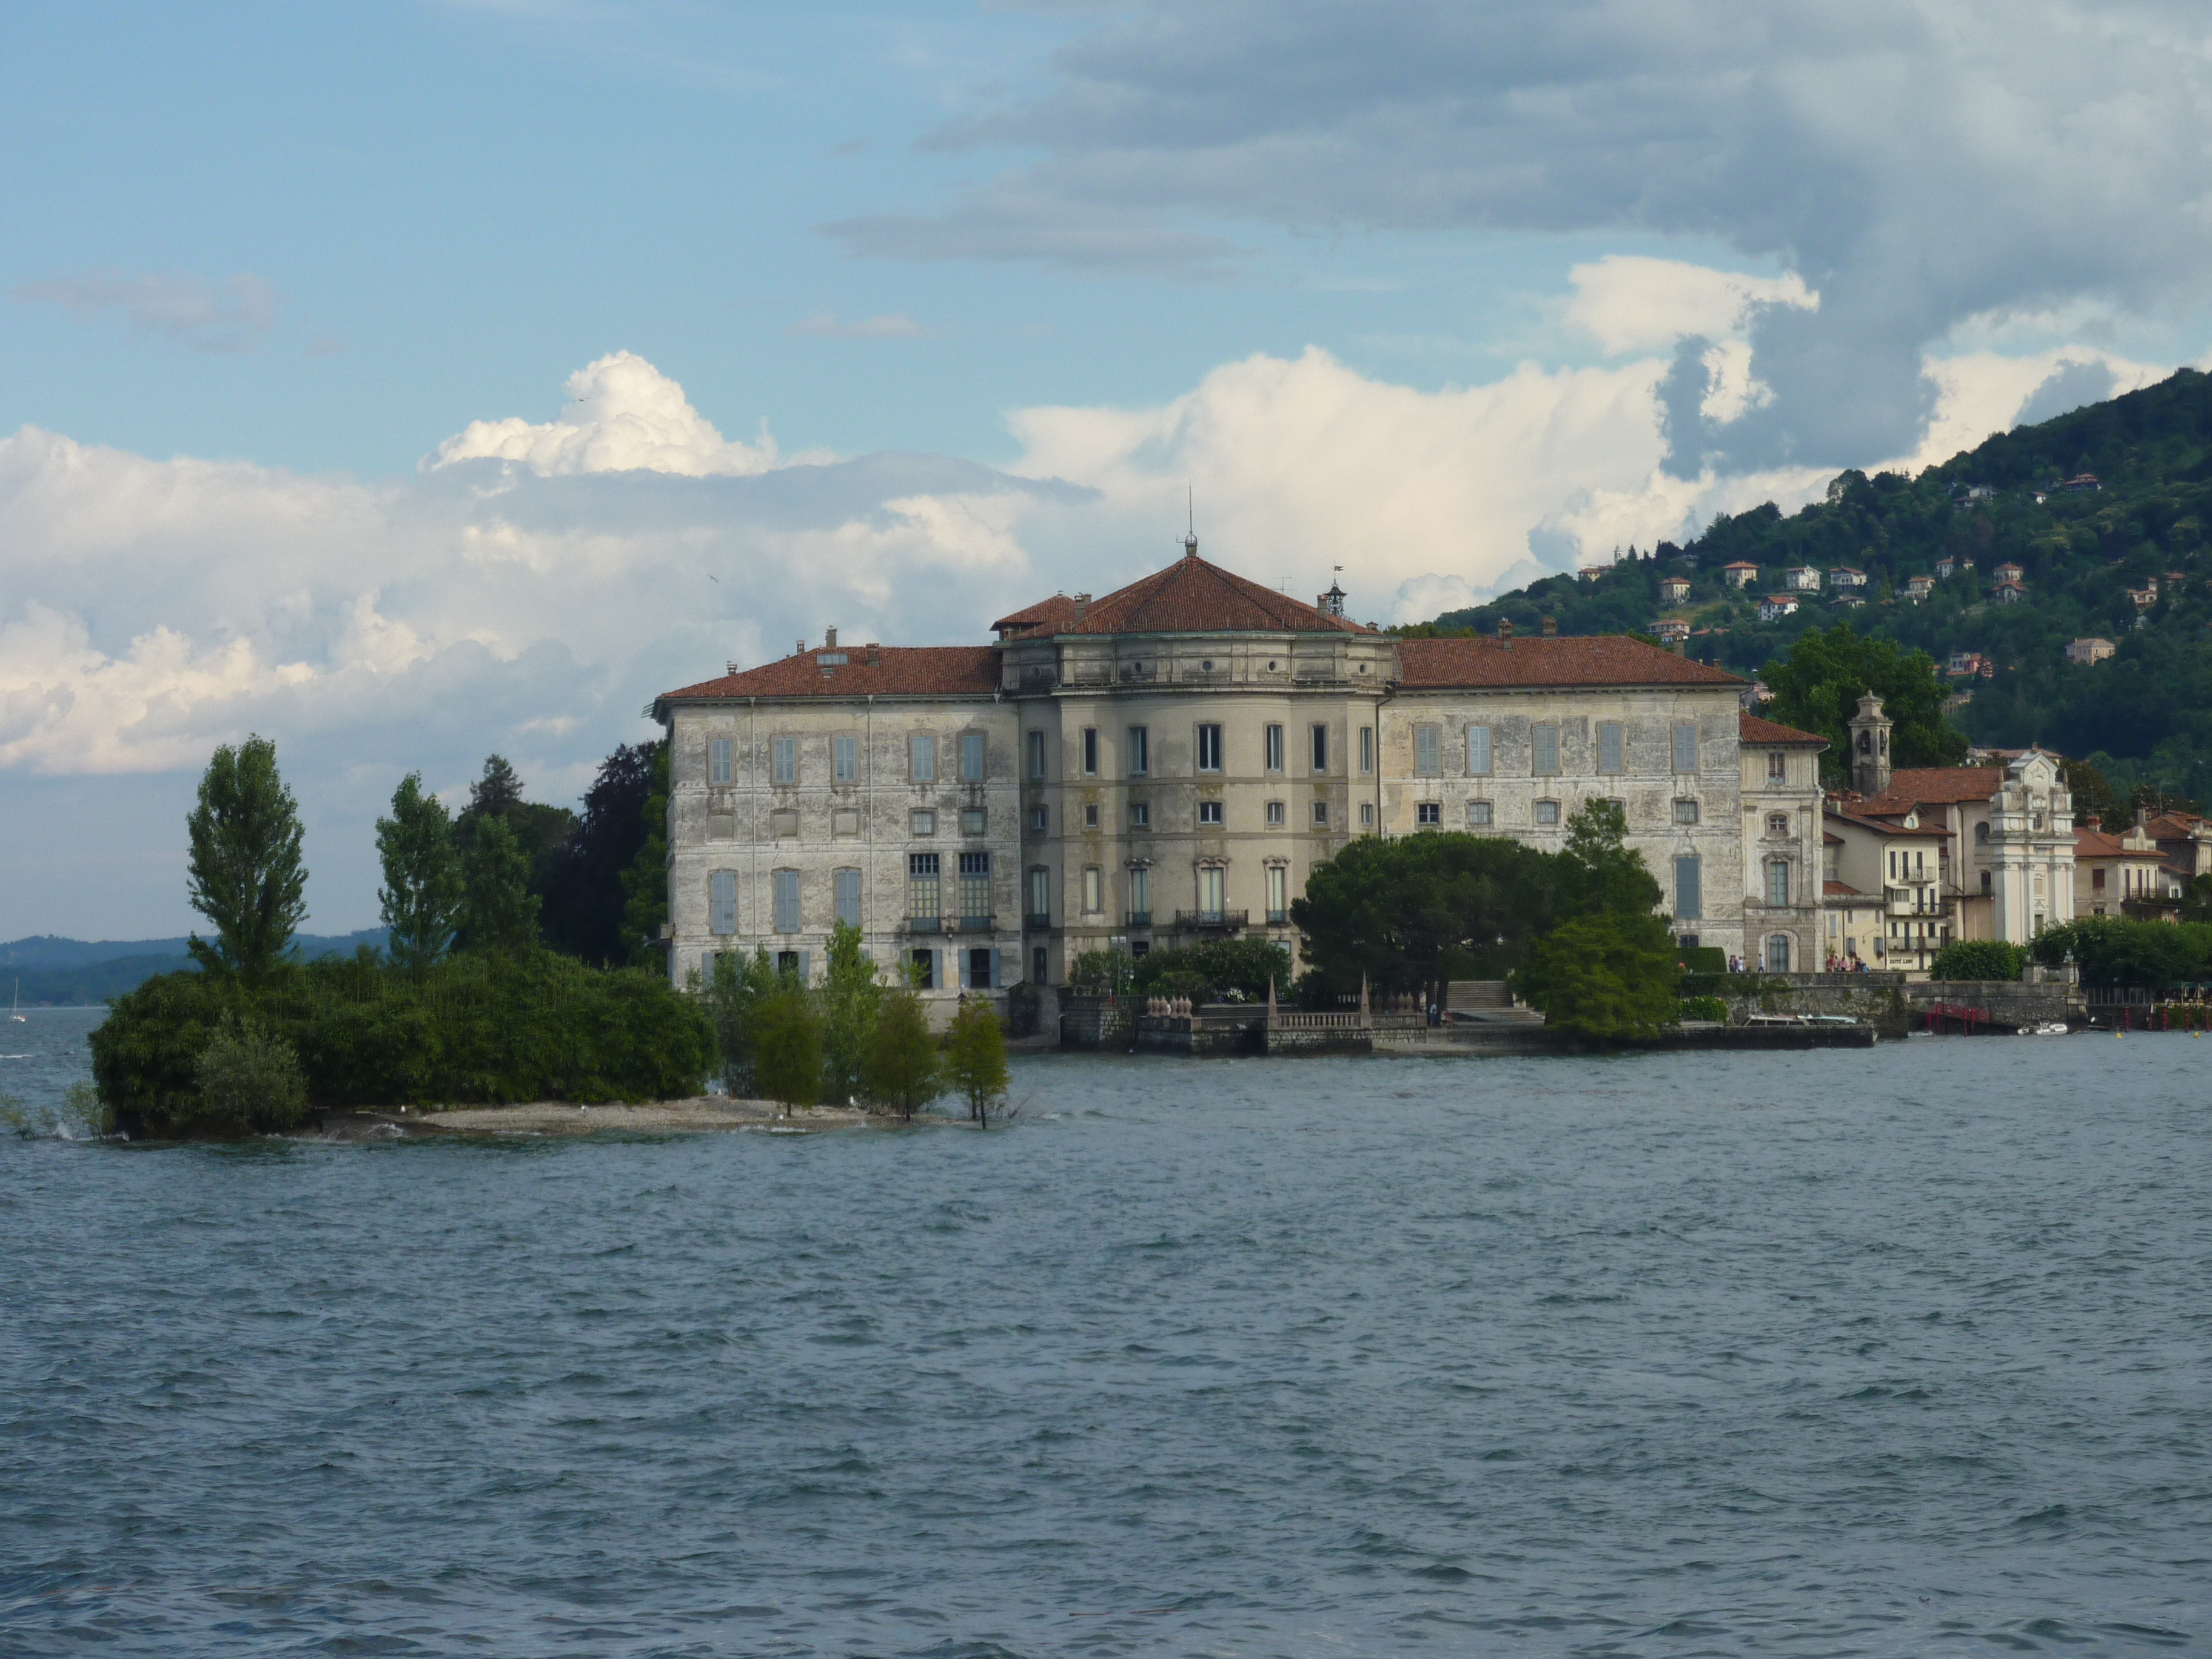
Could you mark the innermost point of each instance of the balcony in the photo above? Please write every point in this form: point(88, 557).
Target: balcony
point(923, 925)
point(1038, 922)
point(1279, 918)
point(1905, 902)
point(970, 923)
point(1221, 920)
point(1140, 918)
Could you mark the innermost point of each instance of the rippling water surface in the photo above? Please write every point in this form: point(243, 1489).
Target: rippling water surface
point(1900, 1352)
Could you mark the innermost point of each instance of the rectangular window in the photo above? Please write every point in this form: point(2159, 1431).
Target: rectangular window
point(722, 902)
point(1367, 815)
point(972, 820)
point(786, 901)
point(1321, 814)
point(1478, 814)
point(1547, 813)
point(1428, 751)
point(922, 823)
point(1685, 811)
point(1543, 746)
point(784, 759)
point(845, 759)
point(1689, 894)
point(1091, 815)
point(1320, 751)
point(1478, 751)
point(1609, 751)
point(1275, 812)
point(922, 757)
point(976, 886)
point(1366, 750)
point(1140, 815)
point(846, 884)
point(922, 897)
point(1430, 813)
point(1140, 752)
point(1036, 754)
point(1039, 819)
point(1209, 748)
point(784, 821)
point(1685, 749)
point(1209, 811)
point(1777, 766)
point(1278, 887)
point(981, 967)
point(1140, 896)
point(924, 969)
point(1037, 965)
point(973, 757)
point(1090, 752)
point(1274, 749)
point(1040, 894)
point(1094, 889)
point(1777, 882)
point(1213, 890)
point(718, 761)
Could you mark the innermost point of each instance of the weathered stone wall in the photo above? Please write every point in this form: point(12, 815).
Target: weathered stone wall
point(1890, 1003)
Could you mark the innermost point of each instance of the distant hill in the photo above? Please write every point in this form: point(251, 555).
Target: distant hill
point(2097, 507)
point(57, 972)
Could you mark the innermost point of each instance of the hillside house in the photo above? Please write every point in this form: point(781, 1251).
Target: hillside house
point(2008, 593)
point(1740, 573)
point(1845, 575)
point(1674, 630)
point(1918, 588)
point(1775, 606)
point(1674, 590)
point(2008, 572)
point(1800, 579)
point(2089, 650)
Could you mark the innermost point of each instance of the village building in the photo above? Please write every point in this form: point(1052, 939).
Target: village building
point(1674, 590)
point(1801, 579)
point(1918, 587)
point(1740, 573)
point(1775, 606)
point(2005, 865)
point(1845, 575)
point(1674, 630)
point(1852, 921)
point(2008, 572)
point(2008, 594)
point(2089, 650)
point(1782, 865)
point(1888, 873)
point(1167, 764)
point(2123, 875)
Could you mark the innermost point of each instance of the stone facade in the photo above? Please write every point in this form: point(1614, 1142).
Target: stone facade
point(1170, 763)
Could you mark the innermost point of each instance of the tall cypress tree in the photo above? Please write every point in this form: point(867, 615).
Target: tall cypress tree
point(244, 873)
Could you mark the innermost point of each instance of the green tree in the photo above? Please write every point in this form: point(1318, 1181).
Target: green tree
point(903, 1063)
point(851, 998)
point(498, 910)
point(645, 883)
point(498, 791)
point(250, 1081)
point(1415, 914)
point(421, 899)
point(1606, 976)
point(1978, 958)
point(1818, 687)
point(245, 876)
point(738, 986)
point(2097, 804)
point(786, 1048)
point(975, 1056)
point(1613, 876)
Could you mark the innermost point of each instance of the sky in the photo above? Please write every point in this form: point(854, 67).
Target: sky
point(414, 382)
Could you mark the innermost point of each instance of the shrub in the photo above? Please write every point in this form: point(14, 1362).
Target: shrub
point(975, 1056)
point(1203, 972)
point(524, 1026)
point(1605, 976)
point(250, 1082)
point(1703, 1008)
point(1978, 958)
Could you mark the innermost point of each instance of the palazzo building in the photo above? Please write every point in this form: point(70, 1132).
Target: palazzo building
point(1167, 764)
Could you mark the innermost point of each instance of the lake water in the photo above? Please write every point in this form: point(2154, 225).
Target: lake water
point(1898, 1353)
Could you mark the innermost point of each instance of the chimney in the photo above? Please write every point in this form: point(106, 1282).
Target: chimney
point(829, 638)
point(799, 650)
point(875, 654)
point(1082, 606)
point(1506, 633)
point(2142, 814)
point(1551, 628)
point(731, 667)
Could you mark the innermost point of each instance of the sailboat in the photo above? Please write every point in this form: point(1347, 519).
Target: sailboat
point(14, 1002)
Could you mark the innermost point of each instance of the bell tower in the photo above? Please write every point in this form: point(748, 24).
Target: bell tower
point(1869, 730)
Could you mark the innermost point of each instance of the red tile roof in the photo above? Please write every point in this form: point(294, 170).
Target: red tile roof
point(1191, 596)
point(1934, 786)
point(1600, 659)
point(1057, 611)
point(929, 670)
point(2101, 844)
point(1881, 827)
point(1840, 889)
point(2172, 826)
point(1751, 729)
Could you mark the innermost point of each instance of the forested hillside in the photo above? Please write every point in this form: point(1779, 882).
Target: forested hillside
point(2145, 715)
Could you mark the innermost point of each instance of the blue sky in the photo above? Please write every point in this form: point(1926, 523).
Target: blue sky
point(930, 311)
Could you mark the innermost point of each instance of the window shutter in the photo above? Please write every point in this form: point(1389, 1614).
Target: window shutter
point(1609, 749)
point(1688, 899)
point(1546, 746)
point(805, 962)
point(1478, 749)
point(1685, 749)
point(1425, 750)
point(994, 968)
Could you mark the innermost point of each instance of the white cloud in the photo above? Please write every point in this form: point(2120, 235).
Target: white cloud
point(1632, 303)
point(231, 315)
point(624, 414)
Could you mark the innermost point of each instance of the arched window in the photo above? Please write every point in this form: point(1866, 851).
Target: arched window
point(1778, 824)
point(1777, 954)
point(1981, 834)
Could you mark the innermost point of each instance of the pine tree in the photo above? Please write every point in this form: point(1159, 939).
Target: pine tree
point(245, 873)
point(421, 899)
point(975, 1056)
